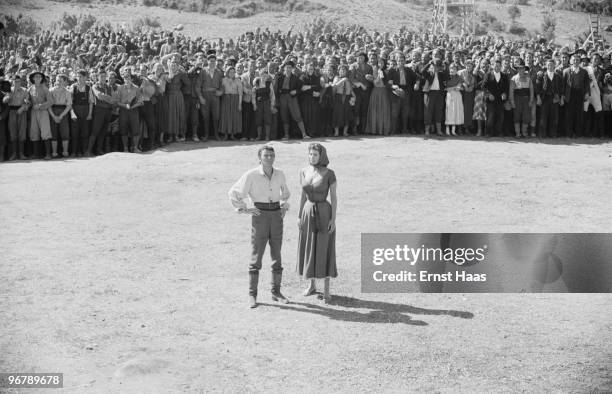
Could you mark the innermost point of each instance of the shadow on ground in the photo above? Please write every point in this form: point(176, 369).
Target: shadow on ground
point(380, 312)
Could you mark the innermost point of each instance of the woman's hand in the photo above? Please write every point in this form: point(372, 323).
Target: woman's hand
point(299, 223)
point(332, 226)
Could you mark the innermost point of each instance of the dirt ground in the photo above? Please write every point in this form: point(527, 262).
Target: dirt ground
point(128, 272)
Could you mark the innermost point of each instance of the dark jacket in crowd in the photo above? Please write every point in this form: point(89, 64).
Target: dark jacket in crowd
point(409, 75)
point(495, 88)
point(294, 84)
point(576, 83)
point(545, 88)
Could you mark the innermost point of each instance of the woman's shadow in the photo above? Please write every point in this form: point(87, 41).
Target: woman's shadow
point(380, 312)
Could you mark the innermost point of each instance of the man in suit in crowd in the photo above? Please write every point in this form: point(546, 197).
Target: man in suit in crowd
point(402, 80)
point(496, 87)
point(208, 90)
point(549, 93)
point(576, 91)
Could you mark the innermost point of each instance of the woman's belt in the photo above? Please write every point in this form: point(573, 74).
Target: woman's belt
point(267, 206)
point(58, 106)
point(316, 215)
point(14, 107)
point(523, 92)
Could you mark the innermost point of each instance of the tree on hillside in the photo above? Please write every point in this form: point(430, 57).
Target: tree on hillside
point(549, 24)
point(514, 12)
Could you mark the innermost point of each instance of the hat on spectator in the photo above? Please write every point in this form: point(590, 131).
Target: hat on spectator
point(521, 63)
point(32, 74)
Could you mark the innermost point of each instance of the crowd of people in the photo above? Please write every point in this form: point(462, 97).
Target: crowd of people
point(111, 89)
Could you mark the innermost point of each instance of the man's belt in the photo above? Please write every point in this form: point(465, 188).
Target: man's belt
point(267, 206)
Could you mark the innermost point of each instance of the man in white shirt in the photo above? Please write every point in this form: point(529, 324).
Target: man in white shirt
point(267, 188)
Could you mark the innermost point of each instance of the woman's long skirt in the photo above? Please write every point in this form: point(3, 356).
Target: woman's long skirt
point(316, 246)
point(161, 111)
point(311, 114)
point(454, 108)
point(177, 124)
point(230, 122)
point(379, 112)
point(342, 111)
point(468, 107)
point(480, 106)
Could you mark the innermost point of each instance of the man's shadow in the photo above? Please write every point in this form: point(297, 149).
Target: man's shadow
point(380, 312)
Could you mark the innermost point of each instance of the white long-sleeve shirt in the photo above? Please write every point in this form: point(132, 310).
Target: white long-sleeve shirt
point(255, 185)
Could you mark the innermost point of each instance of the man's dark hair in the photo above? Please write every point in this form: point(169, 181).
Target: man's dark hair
point(263, 148)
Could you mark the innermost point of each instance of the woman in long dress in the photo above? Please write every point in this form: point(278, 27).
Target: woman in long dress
point(161, 107)
point(454, 102)
point(468, 94)
point(480, 105)
point(177, 123)
point(230, 123)
point(317, 221)
point(379, 109)
point(309, 101)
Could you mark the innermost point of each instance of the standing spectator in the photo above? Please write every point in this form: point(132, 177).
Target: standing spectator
point(577, 92)
point(264, 102)
point(480, 102)
point(287, 88)
point(5, 88)
point(496, 91)
point(434, 96)
point(160, 77)
point(248, 112)
point(210, 88)
point(177, 81)
point(521, 100)
point(310, 101)
point(418, 97)
point(230, 124)
point(379, 114)
point(607, 104)
point(61, 104)
point(39, 119)
point(82, 102)
point(549, 91)
point(129, 100)
point(454, 101)
point(404, 79)
point(192, 105)
point(468, 95)
point(81, 113)
point(361, 88)
point(148, 90)
point(592, 107)
point(18, 102)
point(343, 92)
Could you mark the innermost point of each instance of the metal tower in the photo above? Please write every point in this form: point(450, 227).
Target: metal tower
point(595, 35)
point(466, 12)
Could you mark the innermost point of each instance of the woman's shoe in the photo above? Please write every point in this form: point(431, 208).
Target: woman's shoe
point(309, 291)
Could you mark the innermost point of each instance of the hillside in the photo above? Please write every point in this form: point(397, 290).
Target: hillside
point(385, 15)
